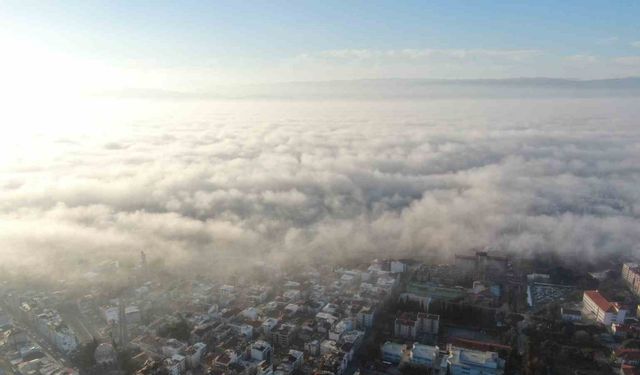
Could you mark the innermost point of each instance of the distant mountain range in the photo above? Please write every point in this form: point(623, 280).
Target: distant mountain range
point(405, 88)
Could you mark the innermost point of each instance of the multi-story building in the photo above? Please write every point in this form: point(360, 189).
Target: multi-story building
point(282, 335)
point(365, 317)
point(176, 365)
point(392, 352)
point(17, 338)
point(598, 308)
point(473, 362)
point(50, 324)
point(173, 346)
point(264, 368)
point(261, 351)
point(424, 355)
point(570, 314)
point(396, 266)
point(631, 274)
point(64, 339)
point(296, 358)
point(268, 325)
point(195, 353)
point(292, 362)
point(410, 325)
point(428, 323)
point(482, 265)
point(312, 347)
point(345, 325)
point(405, 326)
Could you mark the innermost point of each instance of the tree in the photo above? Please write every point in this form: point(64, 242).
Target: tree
point(631, 344)
point(178, 329)
point(84, 356)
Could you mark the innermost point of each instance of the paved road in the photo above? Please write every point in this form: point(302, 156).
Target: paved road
point(73, 317)
point(60, 358)
point(49, 349)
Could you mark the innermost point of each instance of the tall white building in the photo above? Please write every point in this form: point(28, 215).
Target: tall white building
point(397, 266)
point(596, 307)
point(261, 351)
point(631, 274)
point(365, 317)
point(194, 354)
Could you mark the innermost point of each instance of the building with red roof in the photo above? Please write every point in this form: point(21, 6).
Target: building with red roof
point(629, 370)
point(598, 308)
point(628, 356)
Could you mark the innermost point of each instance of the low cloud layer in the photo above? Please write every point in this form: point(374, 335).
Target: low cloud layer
point(238, 183)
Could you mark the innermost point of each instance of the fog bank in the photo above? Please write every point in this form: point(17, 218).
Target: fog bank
point(225, 183)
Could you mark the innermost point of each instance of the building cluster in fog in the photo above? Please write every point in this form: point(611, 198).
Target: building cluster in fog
point(480, 314)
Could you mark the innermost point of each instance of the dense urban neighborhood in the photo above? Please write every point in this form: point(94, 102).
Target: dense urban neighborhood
point(483, 313)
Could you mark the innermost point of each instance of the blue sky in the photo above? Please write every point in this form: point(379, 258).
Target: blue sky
point(192, 44)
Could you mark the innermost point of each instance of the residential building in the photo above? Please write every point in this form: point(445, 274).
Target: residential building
point(282, 335)
point(396, 266)
point(393, 352)
point(268, 325)
point(474, 362)
point(597, 307)
point(261, 351)
point(176, 364)
point(365, 317)
point(570, 315)
point(264, 368)
point(627, 356)
point(195, 353)
point(482, 265)
point(312, 347)
point(631, 274)
point(410, 325)
point(424, 355)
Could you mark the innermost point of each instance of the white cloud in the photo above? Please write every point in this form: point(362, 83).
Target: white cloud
point(628, 60)
point(223, 184)
point(424, 54)
point(412, 63)
point(608, 40)
point(635, 44)
point(583, 59)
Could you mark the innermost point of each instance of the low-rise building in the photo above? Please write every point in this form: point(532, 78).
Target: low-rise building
point(264, 368)
point(626, 356)
point(424, 355)
point(172, 347)
point(474, 362)
point(393, 352)
point(570, 315)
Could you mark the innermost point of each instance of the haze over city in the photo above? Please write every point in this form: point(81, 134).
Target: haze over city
point(222, 140)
